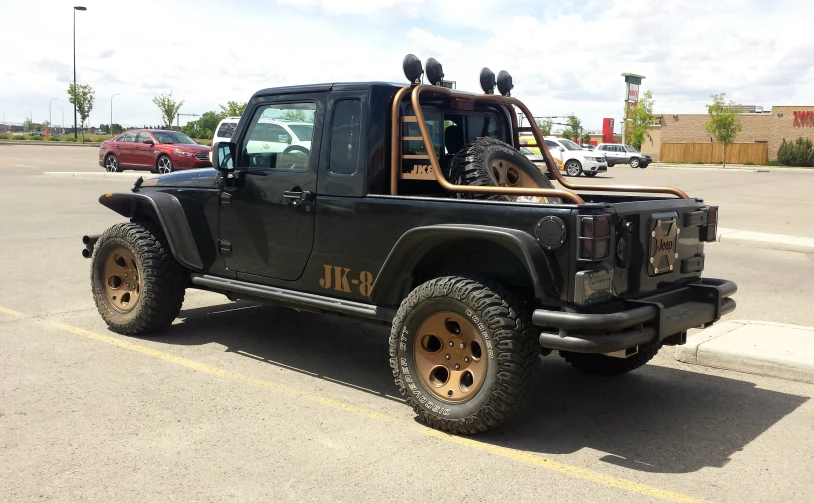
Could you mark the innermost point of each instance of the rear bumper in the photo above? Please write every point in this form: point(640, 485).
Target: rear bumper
point(645, 320)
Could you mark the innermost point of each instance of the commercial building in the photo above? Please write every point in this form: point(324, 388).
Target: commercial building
point(759, 126)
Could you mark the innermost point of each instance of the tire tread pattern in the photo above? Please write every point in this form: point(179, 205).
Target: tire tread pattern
point(162, 278)
point(517, 356)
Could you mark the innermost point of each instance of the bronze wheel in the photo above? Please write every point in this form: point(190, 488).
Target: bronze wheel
point(463, 353)
point(137, 284)
point(449, 357)
point(122, 283)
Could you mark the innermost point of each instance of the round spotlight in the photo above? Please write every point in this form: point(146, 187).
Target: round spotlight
point(487, 80)
point(412, 68)
point(435, 72)
point(504, 83)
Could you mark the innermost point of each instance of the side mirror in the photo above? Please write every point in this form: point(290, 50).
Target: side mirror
point(148, 142)
point(562, 149)
point(223, 154)
point(283, 138)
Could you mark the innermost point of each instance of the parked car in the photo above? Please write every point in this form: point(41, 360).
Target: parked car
point(588, 146)
point(616, 153)
point(269, 135)
point(538, 159)
point(575, 160)
point(156, 150)
point(224, 131)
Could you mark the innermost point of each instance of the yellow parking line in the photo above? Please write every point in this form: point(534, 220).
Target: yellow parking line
point(522, 457)
point(12, 313)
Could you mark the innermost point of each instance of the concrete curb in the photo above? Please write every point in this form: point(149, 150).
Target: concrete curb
point(91, 174)
point(49, 143)
point(734, 167)
point(766, 240)
point(754, 347)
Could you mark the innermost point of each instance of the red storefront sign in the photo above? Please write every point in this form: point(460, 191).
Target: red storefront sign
point(803, 119)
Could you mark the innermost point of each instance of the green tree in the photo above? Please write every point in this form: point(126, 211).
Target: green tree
point(575, 125)
point(232, 109)
point(28, 125)
point(724, 123)
point(82, 96)
point(116, 128)
point(105, 128)
point(567, 133)
point(586, 138)
point(545, 126)
point(168, 108)
point(203, 128)
point(295, 116)
point(637, 120)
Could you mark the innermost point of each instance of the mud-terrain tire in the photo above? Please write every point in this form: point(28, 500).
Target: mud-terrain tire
point(502, 366)
point(489, 162)
point(608, 365)
point(136, 250)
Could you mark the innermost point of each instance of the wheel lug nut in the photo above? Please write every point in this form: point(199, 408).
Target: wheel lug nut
point(449, 393)
point(466, 359)
point(447, 357)
point(457, 366)
point(451, 343)
point(462, 345)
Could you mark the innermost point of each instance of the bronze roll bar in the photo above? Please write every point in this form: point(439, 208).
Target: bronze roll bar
point(396, 138)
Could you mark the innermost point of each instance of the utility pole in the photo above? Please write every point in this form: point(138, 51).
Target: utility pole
point(76, 8)
point(111, 113)
point(50, 123)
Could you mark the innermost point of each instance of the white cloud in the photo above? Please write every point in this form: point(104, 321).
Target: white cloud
point(565, 56)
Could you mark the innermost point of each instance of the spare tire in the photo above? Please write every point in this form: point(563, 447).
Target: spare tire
point(489, 162)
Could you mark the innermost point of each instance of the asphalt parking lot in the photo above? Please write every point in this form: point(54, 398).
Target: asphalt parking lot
point(244, 403)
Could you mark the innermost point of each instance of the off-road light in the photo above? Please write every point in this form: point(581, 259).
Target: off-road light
point(412, 68)
point(709, 232)
point(487, 80)
point(504, 83)
point(594, 237)
point(435, 72)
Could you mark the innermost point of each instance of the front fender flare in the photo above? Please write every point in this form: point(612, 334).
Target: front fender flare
point(167, 211)
point(396, 273)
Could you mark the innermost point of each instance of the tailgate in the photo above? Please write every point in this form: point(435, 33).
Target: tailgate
point(651, 245)
point(664, 243)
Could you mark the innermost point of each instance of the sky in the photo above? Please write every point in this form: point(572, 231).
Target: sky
point(565, 56)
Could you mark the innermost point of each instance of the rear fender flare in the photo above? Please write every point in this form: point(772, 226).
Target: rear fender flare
point(396, 275)
point(168, 212)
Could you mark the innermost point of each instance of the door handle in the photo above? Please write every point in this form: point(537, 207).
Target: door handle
point(297, 197)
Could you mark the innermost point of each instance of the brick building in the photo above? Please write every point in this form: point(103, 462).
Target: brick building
point(772, 127)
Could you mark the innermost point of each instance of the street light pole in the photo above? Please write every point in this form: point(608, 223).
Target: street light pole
point(111, 114)
point(76, 8)
point(50, 123)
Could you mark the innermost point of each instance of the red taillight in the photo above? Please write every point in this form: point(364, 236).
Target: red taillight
point(594, 237)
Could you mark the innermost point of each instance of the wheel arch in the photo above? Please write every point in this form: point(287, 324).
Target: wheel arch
point(427, 252)
point(167, 212)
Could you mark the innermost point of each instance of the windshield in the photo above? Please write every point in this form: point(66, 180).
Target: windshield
point(303, 131)
point(630, 149)
point(173, 138)
point(570, 145)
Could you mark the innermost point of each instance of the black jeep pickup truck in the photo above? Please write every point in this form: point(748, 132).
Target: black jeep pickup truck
point(412, 205)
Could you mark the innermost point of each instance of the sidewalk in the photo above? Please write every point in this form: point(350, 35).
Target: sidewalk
point(729, 167)
point(783, 242)
point(754, 347)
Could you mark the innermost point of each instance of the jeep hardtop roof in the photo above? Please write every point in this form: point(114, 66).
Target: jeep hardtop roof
point(335, 86)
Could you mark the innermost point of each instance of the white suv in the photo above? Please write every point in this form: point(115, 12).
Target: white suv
point(268, 135)
point(616, 153)
point(575, 159)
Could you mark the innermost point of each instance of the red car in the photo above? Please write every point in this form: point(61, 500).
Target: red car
point(154, 149)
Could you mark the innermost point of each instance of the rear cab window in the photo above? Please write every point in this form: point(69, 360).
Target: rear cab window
point(226, 130)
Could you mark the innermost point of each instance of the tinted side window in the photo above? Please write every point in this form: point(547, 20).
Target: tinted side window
point(226, 130)
point(346, 133)
point(550, 144)
point(142, 137)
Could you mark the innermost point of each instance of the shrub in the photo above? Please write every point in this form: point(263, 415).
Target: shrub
point(3, 136)
point(21, 137)
point(53, 138)
point(798, 153)
point(70, 138)
point(773, 163)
